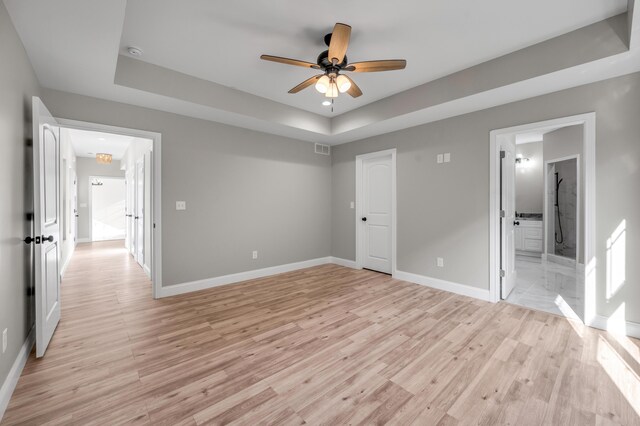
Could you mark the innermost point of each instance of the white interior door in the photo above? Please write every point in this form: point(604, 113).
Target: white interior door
point(74, 203)
point(139, 215)
point(508, 204)
point(128, 210)
point(376, 220)
point(46, 183)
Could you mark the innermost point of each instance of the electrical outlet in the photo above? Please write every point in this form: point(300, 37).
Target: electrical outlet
point(440, 262)
point(4, 340)
point(181, 205)
point(353, 205)
point(255, 254)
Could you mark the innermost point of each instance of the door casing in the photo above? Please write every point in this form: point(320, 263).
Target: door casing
point(156, 188)
point(588, 120)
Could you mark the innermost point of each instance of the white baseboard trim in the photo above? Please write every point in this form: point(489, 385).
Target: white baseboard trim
point(344, 262)
point(65, 264)
point(147, 271)
point(11, 381)
point(188, 287)
point(83, 240)
point(628, 328)
point(464, 290)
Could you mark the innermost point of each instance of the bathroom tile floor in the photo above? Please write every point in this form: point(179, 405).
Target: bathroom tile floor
point(548, 287)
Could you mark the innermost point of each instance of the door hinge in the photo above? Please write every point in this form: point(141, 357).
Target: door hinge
point(503, 273)
point(503, 213)
point(503, 154)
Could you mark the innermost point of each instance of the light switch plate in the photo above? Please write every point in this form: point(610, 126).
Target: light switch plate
point(447, 157)
point(440, 262)
point(4, 340)
point(439, 158)
point(255, 254)
point(181, 205)
point(353, 205)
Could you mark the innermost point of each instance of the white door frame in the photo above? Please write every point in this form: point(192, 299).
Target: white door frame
point(588, 120)
point(156, 188)
point(359, 195)
point(90, 186)
point(578, 203)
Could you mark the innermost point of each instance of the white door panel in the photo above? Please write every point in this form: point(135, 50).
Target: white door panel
point(46, 183)
point(508, 201)
point(377, 213)
point(139, 213)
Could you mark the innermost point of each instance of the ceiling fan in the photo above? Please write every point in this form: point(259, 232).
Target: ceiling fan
point(334, 61)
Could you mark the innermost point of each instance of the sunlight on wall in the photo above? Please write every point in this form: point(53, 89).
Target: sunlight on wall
point(616, 259)
point(624, 377)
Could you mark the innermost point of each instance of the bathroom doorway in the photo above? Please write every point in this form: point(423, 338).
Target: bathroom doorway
point(549, 225)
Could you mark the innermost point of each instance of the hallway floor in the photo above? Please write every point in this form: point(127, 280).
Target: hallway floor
point(320, 346)
point(548, 287)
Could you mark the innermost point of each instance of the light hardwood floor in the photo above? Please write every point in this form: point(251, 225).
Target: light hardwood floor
point(325, 345)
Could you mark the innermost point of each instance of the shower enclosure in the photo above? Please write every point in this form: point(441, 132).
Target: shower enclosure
point(562, 209)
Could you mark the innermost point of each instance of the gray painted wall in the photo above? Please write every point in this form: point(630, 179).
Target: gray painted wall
point(530, 179)
point(443, 209)
point(17, 85)
point(85, 168)
point(244, 190)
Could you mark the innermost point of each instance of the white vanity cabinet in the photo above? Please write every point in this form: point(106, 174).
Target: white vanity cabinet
point(528, 236)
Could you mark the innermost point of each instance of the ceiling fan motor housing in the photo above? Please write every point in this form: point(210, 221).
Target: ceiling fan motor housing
point(325, 63)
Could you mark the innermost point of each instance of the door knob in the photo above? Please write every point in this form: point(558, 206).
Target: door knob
point(364, 219)
point(28, 240)
point(516, 222)
point(49, 238)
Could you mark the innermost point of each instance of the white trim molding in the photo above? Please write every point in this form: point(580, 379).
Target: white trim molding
point(628, 328)
point(464, 290)
point(344, 262)
point(11, 381)
point(207, 283)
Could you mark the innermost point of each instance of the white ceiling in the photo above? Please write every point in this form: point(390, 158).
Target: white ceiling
point(74, 46)
point(86, 143)
point(223, 43)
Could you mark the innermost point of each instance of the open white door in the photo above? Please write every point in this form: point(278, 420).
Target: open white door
point(376, 220)
point(508, 220)
point(139, 215)
point(46, 191)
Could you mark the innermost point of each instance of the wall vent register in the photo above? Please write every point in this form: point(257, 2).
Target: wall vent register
point(323, 149)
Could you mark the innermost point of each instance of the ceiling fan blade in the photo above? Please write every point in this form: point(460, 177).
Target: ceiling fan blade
point(308, 82)
point(288, 61)
point(354, 90)
point(339, 42)
point(375, 66)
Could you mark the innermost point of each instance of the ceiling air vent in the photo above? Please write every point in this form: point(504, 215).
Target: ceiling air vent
point(323, 149)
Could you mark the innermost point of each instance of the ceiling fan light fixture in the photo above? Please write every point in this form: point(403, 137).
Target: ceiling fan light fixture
point(332, 91)
point(343, 83)
point(323, 84)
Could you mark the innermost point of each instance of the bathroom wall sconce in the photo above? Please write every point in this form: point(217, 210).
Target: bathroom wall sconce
point(521, 160)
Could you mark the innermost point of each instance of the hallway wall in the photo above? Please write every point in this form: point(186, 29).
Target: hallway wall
point(18, 84)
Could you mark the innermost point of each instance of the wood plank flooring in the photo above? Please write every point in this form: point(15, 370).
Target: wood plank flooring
point(325, 345)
